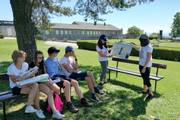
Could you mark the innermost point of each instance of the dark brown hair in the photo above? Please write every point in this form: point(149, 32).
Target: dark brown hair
point(41, 65)
point(100, 44)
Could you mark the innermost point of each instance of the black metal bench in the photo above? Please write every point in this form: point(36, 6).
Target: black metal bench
point(155, 77)
point(5, 95)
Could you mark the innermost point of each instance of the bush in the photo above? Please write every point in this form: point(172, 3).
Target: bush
point(158, 53)
point(1, 36)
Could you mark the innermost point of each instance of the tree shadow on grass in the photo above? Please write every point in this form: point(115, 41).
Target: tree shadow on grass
point(117, 104)
point(3, 66)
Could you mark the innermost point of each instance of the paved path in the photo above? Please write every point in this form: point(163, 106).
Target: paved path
point(61, 44)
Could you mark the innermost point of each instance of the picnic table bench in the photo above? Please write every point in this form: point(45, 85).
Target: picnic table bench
point(155, 77)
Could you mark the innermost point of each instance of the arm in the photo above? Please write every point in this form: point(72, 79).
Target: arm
point(49, 70)
point(135, 46)
point(75, 65)
point(67, 68)
point(16, 78)
point(101, 54)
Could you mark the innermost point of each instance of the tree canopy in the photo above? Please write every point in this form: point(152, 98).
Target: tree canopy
point(175, 31)
point(134, 31)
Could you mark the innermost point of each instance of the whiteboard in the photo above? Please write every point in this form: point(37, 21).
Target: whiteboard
point(121, 50)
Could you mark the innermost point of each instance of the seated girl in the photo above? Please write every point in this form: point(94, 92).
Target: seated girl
point(14, 71)
point(47, 88)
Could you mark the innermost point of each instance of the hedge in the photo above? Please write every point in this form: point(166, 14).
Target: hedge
point(158, 53)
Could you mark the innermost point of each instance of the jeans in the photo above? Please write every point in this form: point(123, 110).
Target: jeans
point(104, 65)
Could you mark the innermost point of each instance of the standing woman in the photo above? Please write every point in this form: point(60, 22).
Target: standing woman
point(103, 55)
point(145, 63)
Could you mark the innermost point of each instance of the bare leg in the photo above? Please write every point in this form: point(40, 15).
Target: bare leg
point(36, 101)
point(45, 89)
point(92, 78)
point(145, 88)
point(54, 87)
point(67, 90)
point(90, 84)
point(75, 84)
point(31, 90)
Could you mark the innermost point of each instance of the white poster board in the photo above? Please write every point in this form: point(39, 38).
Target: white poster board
point(121, 50)
point(40, 78)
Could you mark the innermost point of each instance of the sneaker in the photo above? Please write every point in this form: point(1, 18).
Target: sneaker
point(95, 99)
point(84, 102)
point(57, 115)
point(148, 97)
point(40, 114)
point(72, 108)
point(98, 91)
point(30, 109)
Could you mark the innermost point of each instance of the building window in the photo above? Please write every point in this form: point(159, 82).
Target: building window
point(87, 32)
point(65, 32)
point(57, 32)
point(61, 32)
point(83, 32)
point(70, 32)
point(97, 32)
point(47, 32)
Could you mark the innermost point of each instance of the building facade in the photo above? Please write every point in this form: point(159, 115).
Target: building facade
point(80, 31)
point(74, 31)
point(7, 29)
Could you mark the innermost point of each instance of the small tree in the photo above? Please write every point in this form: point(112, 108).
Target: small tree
point(175, 31)
point(154, 36)
point(134, 32)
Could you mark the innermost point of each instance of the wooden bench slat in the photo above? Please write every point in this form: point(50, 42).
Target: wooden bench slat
point(162, 66)
point(5, 92)
point(7, 96)
point(153, 77)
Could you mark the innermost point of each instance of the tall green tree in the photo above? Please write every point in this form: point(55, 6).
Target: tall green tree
point(28, 14)
point(175, 31)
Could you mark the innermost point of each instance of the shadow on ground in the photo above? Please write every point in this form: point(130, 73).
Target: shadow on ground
point(118, 104)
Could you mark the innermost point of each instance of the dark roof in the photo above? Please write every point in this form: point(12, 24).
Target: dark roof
point(85, 26)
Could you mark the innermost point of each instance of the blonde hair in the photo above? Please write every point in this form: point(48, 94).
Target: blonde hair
point(17, 54)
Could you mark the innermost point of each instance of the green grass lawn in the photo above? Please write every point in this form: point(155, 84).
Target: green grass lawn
point(123, 100)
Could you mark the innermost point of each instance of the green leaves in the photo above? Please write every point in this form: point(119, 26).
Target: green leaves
point(175, 32)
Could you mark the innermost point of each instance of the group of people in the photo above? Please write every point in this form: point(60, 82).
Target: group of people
point(66, 69)
point(145, 60)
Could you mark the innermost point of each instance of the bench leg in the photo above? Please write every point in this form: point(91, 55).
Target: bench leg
point(155, 86)
point(4, 110)
point(109, 75)
point(116, 74)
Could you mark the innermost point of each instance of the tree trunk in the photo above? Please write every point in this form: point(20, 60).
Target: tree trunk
point(25, 29)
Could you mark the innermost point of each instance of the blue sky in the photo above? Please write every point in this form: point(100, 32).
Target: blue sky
point(150, 17)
